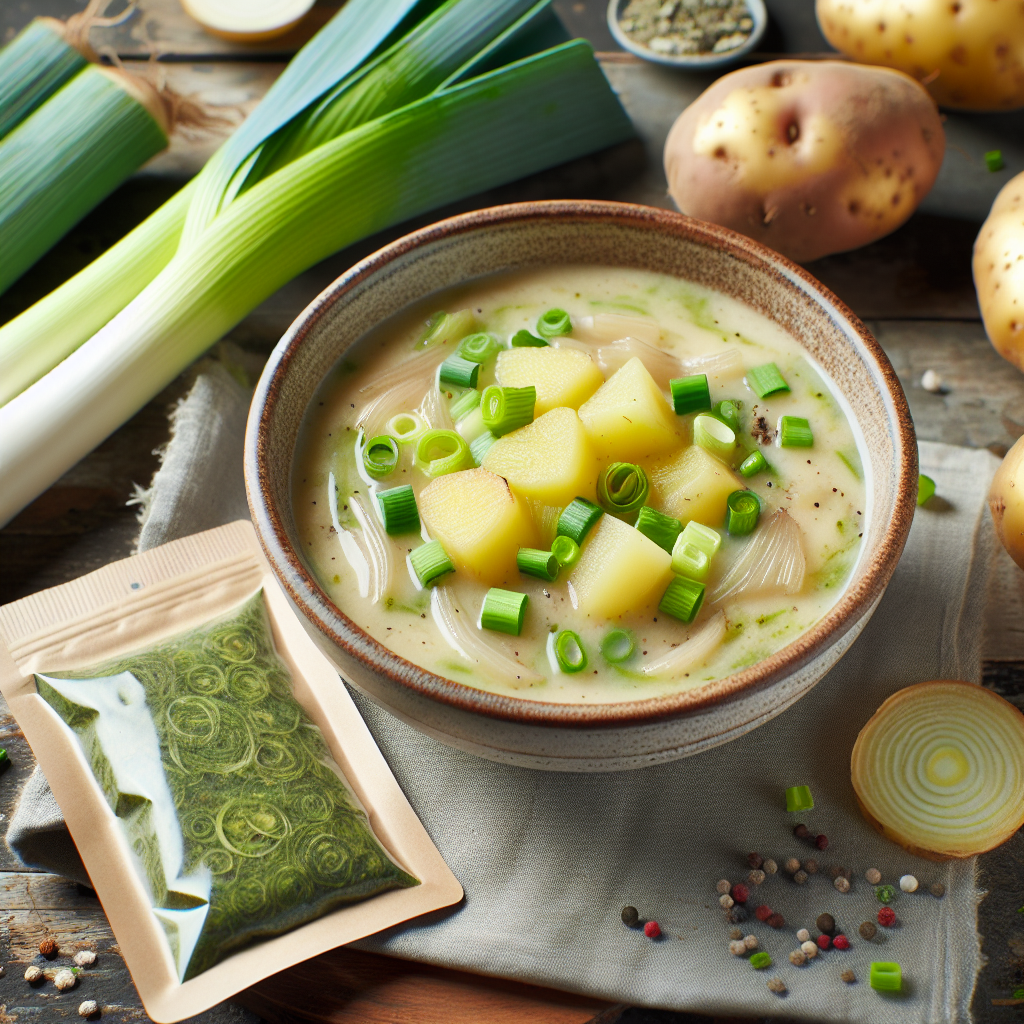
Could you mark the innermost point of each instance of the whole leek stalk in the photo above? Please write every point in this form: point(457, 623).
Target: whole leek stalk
point(519, 119)
point(33, 66)
point(70, 154)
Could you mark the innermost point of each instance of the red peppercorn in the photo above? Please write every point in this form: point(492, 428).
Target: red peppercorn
point(740, 893)
point(763, 913)
point(841, 942)
point(887, 917)
point(776, 921)
point(823, 941)
point(821, 842)
point(652, 930)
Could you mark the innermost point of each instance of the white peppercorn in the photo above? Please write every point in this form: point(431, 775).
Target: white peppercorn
point(797, 958)
point(778, 986)
point(85, 958)
point(88, 1008)
point(792, 865)
point(873, 875)
point(736, 933)
point(770, 867)
point(908, 883)
point(809, 949)
point(726, 901)
point(803, 935)
point(750, 941)
point(33, 974)
point(724, 885)
point(842, 883)
point(755, 877)
point(64, 980)
point(800, 877)
point(737, 948)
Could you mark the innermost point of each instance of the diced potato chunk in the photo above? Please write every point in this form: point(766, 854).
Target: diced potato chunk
point(619, 571)
point(562, 376)
point(549, 460)
point(694, 485)
point(479, 521)
point(628, 417)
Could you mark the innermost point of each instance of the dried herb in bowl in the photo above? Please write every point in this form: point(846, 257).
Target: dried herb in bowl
point(687, 27)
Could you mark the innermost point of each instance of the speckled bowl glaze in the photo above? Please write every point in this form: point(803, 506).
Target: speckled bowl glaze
point(571, 737)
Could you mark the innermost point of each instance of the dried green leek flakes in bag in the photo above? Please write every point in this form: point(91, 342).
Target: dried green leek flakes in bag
point(240, 822)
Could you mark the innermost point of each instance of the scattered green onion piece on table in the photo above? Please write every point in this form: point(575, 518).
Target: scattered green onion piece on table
point(994, 160)
point(507, 409)
point(759, 961)
point(925, 489)
point(464, 405)
point(503, 611)
point(657, 526)
point(406, 427)
point(886, 976)
point(442, 451)
point(380, 456)
point(714, 436)
point(798, 798)
point(753, 464)
point(795, 432)
point(766, 380)
point(533, 562)
point(5, 761)
point(569, 651)
point(555, 323)
point(742, 509)
point(479, 347)
point(524, 339)
point(480, 446)
point(566, 551)
point(462, 373)
point(688, 560)
point(577, 518)
point(708, 540)
point(398, 509)
point(618, 646)
point(728, 411)
point(690, 394)
point(682, 599)
point(622, 488)
point(430, 562)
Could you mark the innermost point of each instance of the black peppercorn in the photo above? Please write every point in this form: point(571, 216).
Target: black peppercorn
point(735, 914)
point(630, 917)
point(755, 860)
point(802, 832)
point(826, 923)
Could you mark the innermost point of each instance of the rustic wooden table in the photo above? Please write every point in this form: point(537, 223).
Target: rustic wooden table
point(913, 289)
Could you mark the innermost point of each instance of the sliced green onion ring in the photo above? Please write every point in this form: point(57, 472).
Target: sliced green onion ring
point(742, 509)
point(479, 347)
point(430, 562)
point(690, 394)
point(728, 412)
point(503, 611)
point(622, 488)
point(380, 456)
point(708, 540)
point(577, 518)
point(618, 646)
point(657, 526)
point(688, 560)
point(555, 323)
point(714, 436)
point(753, 464)
point(541, 564)
point(459, 372)
point(464, 405)
point(682, 599)
point(507, 409)
point(795, 432)
point(569, 651)
point(406, 427)
point(766, 380)
point(480, 446)
point(925, 488)
point(398, 510)
point(566, 551)
point(442, 451)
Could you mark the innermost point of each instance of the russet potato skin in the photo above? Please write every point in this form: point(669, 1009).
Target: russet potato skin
point(807, 157)
point(969, 52)
point(999, 272)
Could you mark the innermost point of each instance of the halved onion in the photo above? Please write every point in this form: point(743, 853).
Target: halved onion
point(939, 769)
point(247, 21)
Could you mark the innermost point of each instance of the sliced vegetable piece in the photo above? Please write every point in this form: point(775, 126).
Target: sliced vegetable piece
point(430, 562)
point(885, 976)
point(795, 432)
point(524, 339)
point(398, 510)
point(690, 394)
point(742, 511)
point(466, 403)
point(690, 561)
point(622, 488)
point(507, 409)
point(462, 373)
point(480, 446)
point(566, 550)
point(577, 519)
point(620, 571)
point(479, 347)
point(406, 427)
point(569, 651)
point(682, 599)
point(753, 464)
point(939, 769)
point(766, 380)
point(555, 323)
point(562, 376)
point(662, 529)
point(693, 652)
point(708, 540)
point(442, 451)
point(798, 798)
point(772, 562)
point(618, 646)
point(534, 562)
point(503, 611)
point(715, 436)
point(445, 329)
point(925, 489)
point(728, 412)
point(380, 456)
point(694, 485)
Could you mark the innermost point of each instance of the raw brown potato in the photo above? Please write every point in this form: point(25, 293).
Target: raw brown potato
point(1006, 502)
point(808, 157)
point(999, 272)
point(969, 53)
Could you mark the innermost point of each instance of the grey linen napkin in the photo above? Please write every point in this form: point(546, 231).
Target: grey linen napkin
point(549, 859)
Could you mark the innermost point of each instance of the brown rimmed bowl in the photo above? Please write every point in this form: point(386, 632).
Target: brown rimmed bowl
point(579, 737)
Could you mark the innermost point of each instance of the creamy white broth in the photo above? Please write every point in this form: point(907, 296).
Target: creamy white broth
point(819, 487)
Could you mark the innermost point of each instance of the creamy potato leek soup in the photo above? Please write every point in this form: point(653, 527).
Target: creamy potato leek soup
point(580, 484)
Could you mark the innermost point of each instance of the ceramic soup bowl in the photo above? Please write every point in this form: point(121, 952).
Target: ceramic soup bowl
point(583, 737)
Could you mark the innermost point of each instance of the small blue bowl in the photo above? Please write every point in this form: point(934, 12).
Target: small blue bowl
point(690, 61)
